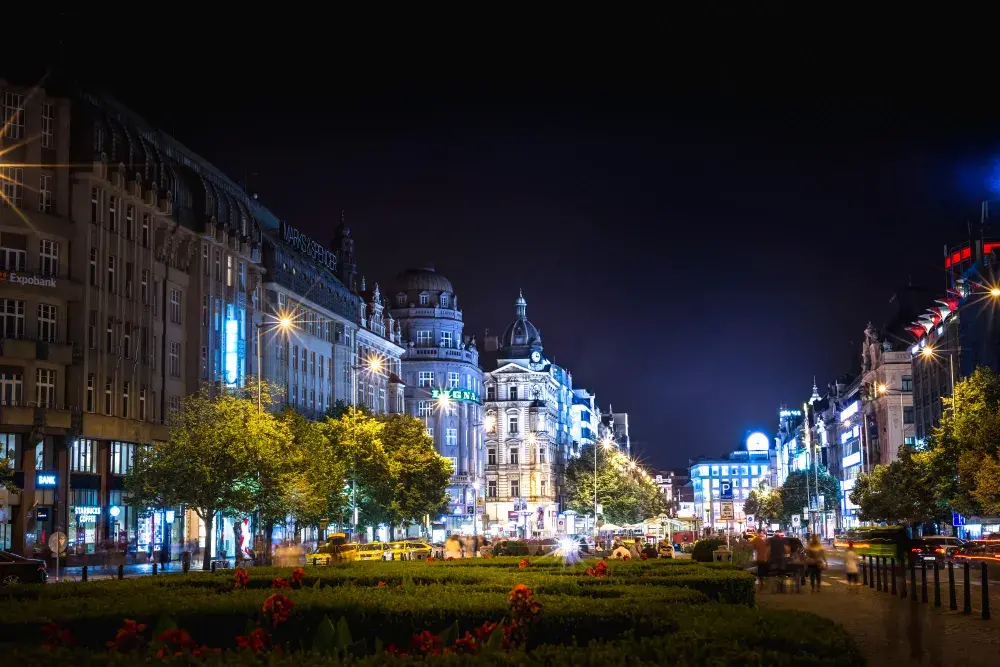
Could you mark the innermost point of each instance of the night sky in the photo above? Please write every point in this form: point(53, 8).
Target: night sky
point(693, 245)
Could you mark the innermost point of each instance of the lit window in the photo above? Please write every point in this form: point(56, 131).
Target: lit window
point(425, 379)
point(424, 299)
point(45, 193)
point(48, 257)
point(47, 322)
point(48, 125)
point(45, 387)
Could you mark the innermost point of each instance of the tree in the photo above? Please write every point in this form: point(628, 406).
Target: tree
point(358, 439)
point(897, 492)
point(7, 476)
point(765, 505)
point(211, 463)
point(793, 491)
point(626, 494)
point(963, 457)
point(419, 475)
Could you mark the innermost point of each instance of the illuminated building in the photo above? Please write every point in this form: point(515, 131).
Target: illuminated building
point(444, 384)
point(744, 469)
point(585, 421)
point(616, 424)
point(528, 399)
point(129, 286)
point(378, 353)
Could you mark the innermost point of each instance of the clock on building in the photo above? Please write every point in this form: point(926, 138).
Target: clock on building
point(536, 356)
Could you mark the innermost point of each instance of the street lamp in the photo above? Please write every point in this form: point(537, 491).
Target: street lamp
point(607, 442)
point(283, 323)
point(372, 365)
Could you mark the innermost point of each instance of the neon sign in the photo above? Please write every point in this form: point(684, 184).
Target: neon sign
point(45, 480)
point(232, 351)
point(455, 394)
point(308, 247)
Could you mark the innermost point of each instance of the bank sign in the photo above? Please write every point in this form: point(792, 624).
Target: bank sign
point(18, 279)
point(308, 247)
point(455, 395)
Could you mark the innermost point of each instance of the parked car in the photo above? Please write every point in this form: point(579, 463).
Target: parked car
point(16, 569)
point(409, 551)
point(329, 553)
point(373, 551)
point(937, 548)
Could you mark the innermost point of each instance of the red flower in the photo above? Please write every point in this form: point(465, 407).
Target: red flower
point(242, 578)
point(599, 570)
point(380, 584)
point(128, 636)
point(523, 605)
point(484, 631)
point(255, 642)
point(298, 574)
point(278, 607)
point(467, 643)
point(426, 643)
point(175, 642)
point(57, 636)
point(399, 587)
point(643, 556)
point(523, 564)
point(430, 559)
point(626, 557)
point(204, 650)
point(279, 582)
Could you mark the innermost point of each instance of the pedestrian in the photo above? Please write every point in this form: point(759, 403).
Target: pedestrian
point(851, 565)
point(815, 562)
point(762, 554)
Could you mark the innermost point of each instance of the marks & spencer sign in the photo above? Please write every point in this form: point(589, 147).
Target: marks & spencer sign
point(299, 241)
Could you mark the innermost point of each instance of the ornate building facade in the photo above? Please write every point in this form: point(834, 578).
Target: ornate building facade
point(443, 384)
point(528, 402)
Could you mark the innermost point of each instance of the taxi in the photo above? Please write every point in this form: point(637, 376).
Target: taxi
point(329, 553)
point(409, 551)
point(373, 551)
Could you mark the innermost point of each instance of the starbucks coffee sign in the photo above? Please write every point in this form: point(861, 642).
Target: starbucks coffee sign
point(455, 395)
point(299, 241)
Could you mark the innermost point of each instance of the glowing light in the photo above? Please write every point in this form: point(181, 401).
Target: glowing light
point(928, 351)
point(758, 442)
point(995, 291)
point(232, 351)
point(375, 365)
point(490, 423)
point(285, 322)
point(881, 388)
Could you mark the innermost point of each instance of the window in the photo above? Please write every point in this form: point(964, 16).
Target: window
point(108, 397)
point(125, 402)
point(430, 432)
point(514, 455)
point(515, 488)
point(541, 453)
point(95, 205)
point(512, 392)
point(113, 213)
point(425, 338)
point(112, 285)
point(444, 300)
point(145, 230)
point(446, 339)
point(91, 380)
point(907, 383)
point(175, 359)
point(142, 404)
point(13, 318)
point(45, 193)
point(144, 287)
point(13, 116)
point(424, 299)
point(92, 330)
point(173, 404)
point(491, 488)
point(425, 408)
point(400, 299)
point(129, 279)
point(45, 387)
point(175, 306)
point(13, 186)
point(491, 393)
point(121, 457)
point(425, 379)
point(48, 125)
point(512, 424)
point(47, 322)
point(453, 379)
point(83, 456)
point(93, 267)
point(543, 487)
point(48, 257)
point(11, 385)
point(229, 270)
point(218, 264)
point(242, 275)
point(13, 252)
point(908, 414)
point(451, 437)
point(204, 311)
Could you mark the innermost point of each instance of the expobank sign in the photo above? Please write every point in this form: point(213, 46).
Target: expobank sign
point(308, 247)
point(18, 279)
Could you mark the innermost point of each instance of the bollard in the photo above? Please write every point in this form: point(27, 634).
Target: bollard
point(986, 592)
point(213, 567)
point(154, 568)
point(871, 575)
point(83, 574)
point(878, 574)
point(864, 572)
point(121, 572)
point(952, 603)
point(937, 584)
point(967, 604)
point(892, 573)
point(885, 574)
point(902, 574)
point(923, 580)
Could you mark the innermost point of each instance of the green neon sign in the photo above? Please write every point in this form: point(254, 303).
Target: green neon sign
point(455, 395)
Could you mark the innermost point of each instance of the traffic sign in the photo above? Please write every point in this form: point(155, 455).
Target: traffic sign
point(750, 520)
point(957, 519)
point(726, 513)
point(796, 520)
point(57, 542)
point(725, 490)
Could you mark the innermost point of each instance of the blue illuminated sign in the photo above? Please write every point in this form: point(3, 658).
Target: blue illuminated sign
point(232, 351)
point(725, 489)
point(45, 479)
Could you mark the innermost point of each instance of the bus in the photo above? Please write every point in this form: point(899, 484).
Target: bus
point(874, 540)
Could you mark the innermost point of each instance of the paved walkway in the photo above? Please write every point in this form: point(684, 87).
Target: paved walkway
point(894, 631)
point(97, 572)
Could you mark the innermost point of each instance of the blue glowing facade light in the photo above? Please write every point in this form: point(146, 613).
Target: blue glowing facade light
point(232, 364)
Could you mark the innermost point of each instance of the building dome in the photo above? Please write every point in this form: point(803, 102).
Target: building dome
point(421, 280)
point(521, 335)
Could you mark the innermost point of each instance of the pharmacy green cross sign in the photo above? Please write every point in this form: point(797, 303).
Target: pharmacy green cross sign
point(455, 395)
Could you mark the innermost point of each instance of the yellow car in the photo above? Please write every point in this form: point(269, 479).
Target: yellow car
point(373, 551)
point(409, 551)
point(333, 553)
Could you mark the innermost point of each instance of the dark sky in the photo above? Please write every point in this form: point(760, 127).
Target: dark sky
point(694, 239)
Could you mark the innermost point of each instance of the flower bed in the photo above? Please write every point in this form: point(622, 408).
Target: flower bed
point(499, 611)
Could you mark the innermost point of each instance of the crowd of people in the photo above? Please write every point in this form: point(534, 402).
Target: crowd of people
point(786, 559)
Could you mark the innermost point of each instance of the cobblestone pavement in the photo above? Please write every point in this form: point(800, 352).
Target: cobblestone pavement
point(894, 631)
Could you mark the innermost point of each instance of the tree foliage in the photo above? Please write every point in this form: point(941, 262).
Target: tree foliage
point(626, 495)
point(793, 491)
point(766, 505)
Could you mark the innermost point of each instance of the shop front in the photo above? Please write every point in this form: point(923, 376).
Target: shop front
point(160, 535)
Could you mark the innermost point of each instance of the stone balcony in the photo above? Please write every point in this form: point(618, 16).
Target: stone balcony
point(26, 350)
point(440, 354)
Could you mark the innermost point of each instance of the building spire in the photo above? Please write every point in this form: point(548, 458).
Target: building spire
point(815, 396)
point(521, 305)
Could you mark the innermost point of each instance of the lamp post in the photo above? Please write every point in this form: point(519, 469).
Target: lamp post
point(607, 442)
point(284, 323)
point(373, 365)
